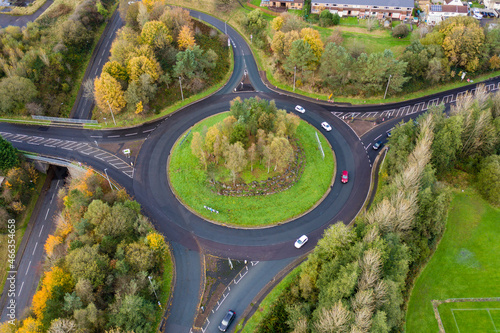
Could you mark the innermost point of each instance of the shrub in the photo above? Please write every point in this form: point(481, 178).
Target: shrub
point(400, 31)
point(326, 18)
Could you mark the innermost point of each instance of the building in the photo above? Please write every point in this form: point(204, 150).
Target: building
point(394, 9)
point(438, 13)
point(283, 4)
point(492, 4)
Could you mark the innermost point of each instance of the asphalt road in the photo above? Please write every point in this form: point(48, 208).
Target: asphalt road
point(147, 182)
point(21, 21)
point(30, 264)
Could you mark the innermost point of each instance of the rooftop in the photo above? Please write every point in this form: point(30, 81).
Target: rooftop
point(381, 3)
point(448, 9)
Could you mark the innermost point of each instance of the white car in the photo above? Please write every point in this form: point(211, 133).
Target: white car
point(477, 16)
point(301, 241)
point(326, 126)
point(300, 109)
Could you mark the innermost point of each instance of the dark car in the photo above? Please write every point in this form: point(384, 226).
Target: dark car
point(377, 145)
point(389, 134)
point(491, 15)
point(227, 320)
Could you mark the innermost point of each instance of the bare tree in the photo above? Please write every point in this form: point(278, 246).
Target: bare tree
point(88, 89)
point(252, 154)
point(335, 319)
point(235, 159)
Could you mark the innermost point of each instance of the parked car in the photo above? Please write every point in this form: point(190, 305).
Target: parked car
point(345, 176)
point(326, 126)
point(301, 241)
point(300, 109)
point(227, 320)
point(491, 15)
point(477, 16)
point(377, 145)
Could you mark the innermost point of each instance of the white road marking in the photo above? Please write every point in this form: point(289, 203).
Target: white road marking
point(27, 269)
point(48, 209)
point(40, 233)
point(96, 136)
point(368, 146)
point(149, 130)
point(130, 134)
point(378, 136)
point(34, 249)
point(113, 136)
point(20, 289)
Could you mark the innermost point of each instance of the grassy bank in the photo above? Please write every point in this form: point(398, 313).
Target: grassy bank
point(266, 305)
point(188, 180)
point(466, 264)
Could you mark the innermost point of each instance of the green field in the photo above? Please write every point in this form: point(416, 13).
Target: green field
point(189, 182)
point(466, 264)
point(463, 317)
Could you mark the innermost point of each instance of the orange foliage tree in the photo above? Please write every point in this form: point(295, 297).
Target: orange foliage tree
point(56, 277)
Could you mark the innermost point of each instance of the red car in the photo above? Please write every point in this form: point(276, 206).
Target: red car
point(345, 176)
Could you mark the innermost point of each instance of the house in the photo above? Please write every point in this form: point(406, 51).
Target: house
point(380, 9)
point(455, 3)
point(283, 4)
point(438, 13)
point(492, 4)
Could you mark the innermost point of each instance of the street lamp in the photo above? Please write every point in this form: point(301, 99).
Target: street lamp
point(152, 287)
point(180, 84)
point(112, 115)
point(387, 85)
point(294, 72)
point(108, 179)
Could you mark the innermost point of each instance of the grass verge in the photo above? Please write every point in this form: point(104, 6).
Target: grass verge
point(189, 184)
point(166, 283)
point(266, 305)
point(21, 224)
point(466, 263)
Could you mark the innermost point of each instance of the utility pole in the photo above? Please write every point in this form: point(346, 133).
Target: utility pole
point(110, 110)
point(180, 84)
point(294, 72)
point(390, 75)
point(152, 287)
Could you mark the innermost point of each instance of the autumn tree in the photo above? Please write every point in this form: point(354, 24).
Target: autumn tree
point(175, 18)
point(116, 70)
point(87, 263)
point(109, 93)
point(186, 38)
point(198, 148)
point(143, 65)
point(15, 91)
point(463, 41)
point(236, 159)
point(155, 34)
point(277, 23)
point(55, 279)
point(312, 37)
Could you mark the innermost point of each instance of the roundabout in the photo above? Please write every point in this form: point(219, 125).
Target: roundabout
point(271, 198)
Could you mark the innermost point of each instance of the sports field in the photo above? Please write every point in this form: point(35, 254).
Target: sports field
point(466, 265)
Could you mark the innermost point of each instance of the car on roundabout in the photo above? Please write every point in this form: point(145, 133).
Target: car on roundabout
point(300, 109)
point(377, 145)
point(301, 241)
point(345, 177)
point(326, 126)
point(227, 320)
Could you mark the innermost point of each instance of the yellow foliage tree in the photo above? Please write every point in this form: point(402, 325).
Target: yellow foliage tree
point(495, 62)
point(313, 38)
point(52, 241)
point(116, 70)
point(30, 325)
point(150, 3)
point(186, 38)
point(83, 184)
point(56, 277)
point(139, 108)
point(156, 33)
point(108, 93)
point(7, 327)
point(277, 23)
point(156, 242)
point(140, 65)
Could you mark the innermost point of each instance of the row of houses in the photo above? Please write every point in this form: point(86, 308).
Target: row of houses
point(383, 9)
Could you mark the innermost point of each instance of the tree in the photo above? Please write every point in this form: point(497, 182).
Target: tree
point(277, 23)
point(141, 91)
point(192, 63)
point(29, 325)
point(312, 37)
point(116, 70)
point(235, 159)
point(15, 91)
point(175, 18)
point(255, 23)
point(463, 41)
point(197, 148)
point(301, 56)
point(75, 34)
point(134, 314)
point(186, 38)
point(51, 243)
point(143, 65)
point(109, 93)
point(282, 153)
point(325, 18)
point(400, 31)
point(488, 179)
point(335, 66)
point(54, 280)
point(8, 155)
point(87, 263)
point(252, 154)
point(156, 34)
